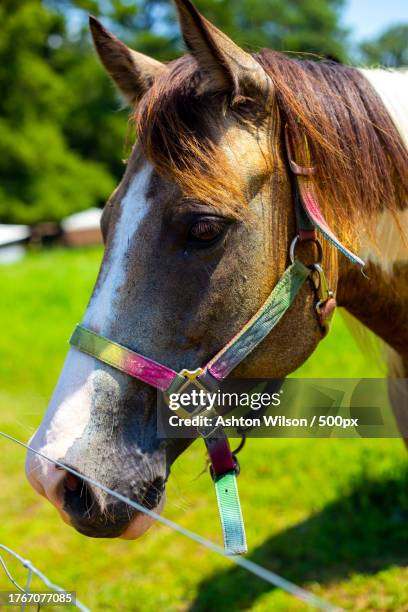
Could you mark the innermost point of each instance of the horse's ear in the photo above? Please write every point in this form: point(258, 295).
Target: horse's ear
point(132, 72)
point(230, 66)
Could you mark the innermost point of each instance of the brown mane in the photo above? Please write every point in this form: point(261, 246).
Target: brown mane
point(176, 126)
point(360, 157)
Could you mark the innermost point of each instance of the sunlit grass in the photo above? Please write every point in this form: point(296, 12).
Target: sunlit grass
point(331, 515)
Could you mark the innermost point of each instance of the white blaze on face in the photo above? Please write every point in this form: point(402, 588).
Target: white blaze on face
point(101, 310)
point(69, 410)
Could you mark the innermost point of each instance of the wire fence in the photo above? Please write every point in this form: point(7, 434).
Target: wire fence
point(32, 570)
point(253, 568)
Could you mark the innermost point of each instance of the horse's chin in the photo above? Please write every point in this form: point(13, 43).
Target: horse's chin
point(142, 523)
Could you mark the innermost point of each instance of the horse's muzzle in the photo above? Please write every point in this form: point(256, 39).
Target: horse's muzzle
point(105, 516)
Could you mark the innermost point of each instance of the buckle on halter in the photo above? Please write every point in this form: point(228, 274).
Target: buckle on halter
point(192, 375)
point(323, 291)
point(326, 302)
point(191, 381)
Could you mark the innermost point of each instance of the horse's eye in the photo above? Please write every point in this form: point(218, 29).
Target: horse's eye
point(206, 231)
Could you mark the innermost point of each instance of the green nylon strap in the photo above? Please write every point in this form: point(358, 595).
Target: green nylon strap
point(229, 508)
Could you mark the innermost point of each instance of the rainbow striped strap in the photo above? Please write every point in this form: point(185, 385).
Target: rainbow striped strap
point(163, 378)
point(261, 324)
point(124, 359)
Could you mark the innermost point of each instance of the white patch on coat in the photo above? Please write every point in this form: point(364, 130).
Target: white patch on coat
point(101, 310)
point(389, 246)
point(392, 87)
point(69, 410)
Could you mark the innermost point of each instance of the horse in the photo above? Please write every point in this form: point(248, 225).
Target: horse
point(197, 234)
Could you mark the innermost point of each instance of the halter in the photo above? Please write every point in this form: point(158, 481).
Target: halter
point(224, 465)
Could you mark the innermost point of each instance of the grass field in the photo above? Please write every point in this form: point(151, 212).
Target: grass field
point(331, 515)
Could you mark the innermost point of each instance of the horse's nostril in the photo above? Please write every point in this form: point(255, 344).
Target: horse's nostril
point(78, 498)
point(98, 515)
point(71, 482)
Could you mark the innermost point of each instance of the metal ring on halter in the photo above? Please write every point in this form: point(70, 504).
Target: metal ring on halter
point(295, 242)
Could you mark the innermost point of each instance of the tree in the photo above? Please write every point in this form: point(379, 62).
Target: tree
point(61, 127)
point(389, 49)
point(306, 26)
point(42, 177)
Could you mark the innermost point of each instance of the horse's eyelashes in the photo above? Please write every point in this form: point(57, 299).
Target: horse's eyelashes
point(205, 231)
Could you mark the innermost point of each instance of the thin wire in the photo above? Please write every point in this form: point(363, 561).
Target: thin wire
point(250, 566)
point(33, 570)
point(9, 576)
point(27, 586)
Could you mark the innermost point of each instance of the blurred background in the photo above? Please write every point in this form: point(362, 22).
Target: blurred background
point(62, 126)
point(331, 515)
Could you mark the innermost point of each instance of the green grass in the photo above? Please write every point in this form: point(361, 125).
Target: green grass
point(331, 515)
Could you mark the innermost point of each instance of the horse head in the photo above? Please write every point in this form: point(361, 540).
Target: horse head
point(196, 235)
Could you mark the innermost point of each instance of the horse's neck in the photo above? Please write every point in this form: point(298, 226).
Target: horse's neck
point(389, 247)
point(380, 302)
point(392, 88)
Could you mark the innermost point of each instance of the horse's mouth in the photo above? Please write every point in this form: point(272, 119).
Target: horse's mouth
point(92, 513)
point(132, 530)
point(142, 522)
point(112, 518)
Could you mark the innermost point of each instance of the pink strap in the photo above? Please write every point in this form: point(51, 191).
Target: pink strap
point(308, 200)
point(313, 211)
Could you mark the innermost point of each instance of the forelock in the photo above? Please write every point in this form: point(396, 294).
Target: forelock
point(179, 124)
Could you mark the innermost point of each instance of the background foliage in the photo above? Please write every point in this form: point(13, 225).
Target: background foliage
point(62, 126)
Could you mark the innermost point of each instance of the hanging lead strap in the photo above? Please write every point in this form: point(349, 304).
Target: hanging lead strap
point(224, 470)
point(224, 466)
point(229, 508)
